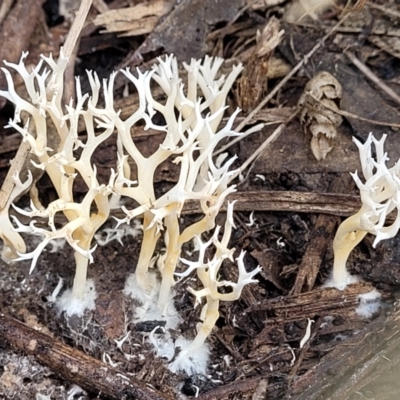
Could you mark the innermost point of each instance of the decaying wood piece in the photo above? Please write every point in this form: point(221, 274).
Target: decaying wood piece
point(289, 310)
point(252, 85)
point(74, 366)
point(326, 302)
point(344, 370)
point(321, 236)
point(248, 385)
point(137, 20)
point(325, 203)
point(296, 202)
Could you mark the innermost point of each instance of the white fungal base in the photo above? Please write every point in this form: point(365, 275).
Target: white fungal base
point(190, 360)
point(74, 306)
point(343, 282)
point(370, 303)
point(149, 310)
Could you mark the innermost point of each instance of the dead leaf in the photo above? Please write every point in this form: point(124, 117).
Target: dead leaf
point(270, 267)
point(321, 122)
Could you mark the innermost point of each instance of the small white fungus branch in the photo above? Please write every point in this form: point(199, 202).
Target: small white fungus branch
point(380, 195)
point(208, 273)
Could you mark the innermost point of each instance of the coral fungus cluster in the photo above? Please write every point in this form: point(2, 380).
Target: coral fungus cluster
point(191, 128)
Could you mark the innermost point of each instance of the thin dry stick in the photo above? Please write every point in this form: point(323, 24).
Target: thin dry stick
point(354, 116)
point(16, 166)
point(4, 9)
point(76, 27)
point(69, 74)
point(249, 132)
point(371, 76)
point(384, 9)
point(357, 7)
point(70, 49)
point(101, 6)
point(266, 143)
point(23, 151)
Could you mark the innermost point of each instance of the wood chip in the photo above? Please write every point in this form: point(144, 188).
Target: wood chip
point(136, 20)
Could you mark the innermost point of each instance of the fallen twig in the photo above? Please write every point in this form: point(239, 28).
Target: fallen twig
point(271, 138)
point(70, 48)
point(76, 28)
point(320, 237)
point(372, 77)
point(223, 392)
point(4, 9)
point(321, 302)
point(384, 9)
point(289, 201)
point(23, 151)
point(354, 116)
point(16, 31)
point(75, 366)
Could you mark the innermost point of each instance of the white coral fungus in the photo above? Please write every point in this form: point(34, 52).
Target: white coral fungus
point(191, 129)
point(191, 116)
point(380, 195)
point(208, 273)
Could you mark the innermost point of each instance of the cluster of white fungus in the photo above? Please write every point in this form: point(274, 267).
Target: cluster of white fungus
point(191, 116)
point(191, 124)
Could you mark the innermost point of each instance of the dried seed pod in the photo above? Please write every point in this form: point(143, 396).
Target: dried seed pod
point(317, 116)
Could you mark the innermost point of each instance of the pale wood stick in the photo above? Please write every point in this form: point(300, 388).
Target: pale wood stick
point(23, 151)
point(76, 27)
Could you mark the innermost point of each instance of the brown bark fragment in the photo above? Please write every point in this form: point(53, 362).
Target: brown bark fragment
point(252, 85)
point(321, 236)
point(16, 33)
point(74, 366)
